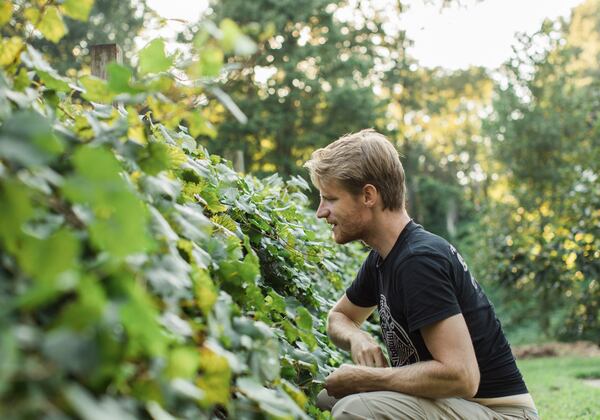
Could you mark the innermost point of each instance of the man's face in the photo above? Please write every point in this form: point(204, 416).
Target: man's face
point(344, 211)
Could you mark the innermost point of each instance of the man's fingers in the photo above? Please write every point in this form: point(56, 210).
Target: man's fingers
point(380, 359)
point(371, 359)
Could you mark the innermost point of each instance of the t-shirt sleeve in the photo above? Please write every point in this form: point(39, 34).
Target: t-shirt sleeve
point(428, 291)
point(363, 290)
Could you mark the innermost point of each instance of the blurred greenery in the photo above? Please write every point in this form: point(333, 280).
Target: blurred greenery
point(557, 386)
point(543, 240)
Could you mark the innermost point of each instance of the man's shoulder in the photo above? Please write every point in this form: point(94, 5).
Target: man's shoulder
point(424, 243)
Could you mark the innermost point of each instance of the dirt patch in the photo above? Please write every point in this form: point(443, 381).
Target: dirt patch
point(578, 348)
point(592, 382)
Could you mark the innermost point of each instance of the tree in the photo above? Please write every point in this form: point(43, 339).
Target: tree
point(313, 79)
point(435, 115)
point(546, 132)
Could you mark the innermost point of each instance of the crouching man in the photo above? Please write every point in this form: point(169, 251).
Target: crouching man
point(449, 358)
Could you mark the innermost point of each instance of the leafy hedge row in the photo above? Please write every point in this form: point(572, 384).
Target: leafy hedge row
point(140, 276)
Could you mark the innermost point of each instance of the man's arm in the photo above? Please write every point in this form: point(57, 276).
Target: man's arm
point(343, 328)
point(453, 372)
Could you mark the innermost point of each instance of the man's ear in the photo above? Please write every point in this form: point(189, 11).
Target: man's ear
point(370, 195)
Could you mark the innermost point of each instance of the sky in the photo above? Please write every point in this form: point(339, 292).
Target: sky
point(479, 33)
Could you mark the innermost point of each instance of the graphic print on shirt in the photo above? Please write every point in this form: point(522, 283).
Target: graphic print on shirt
point(476, 285)
point(400, 348)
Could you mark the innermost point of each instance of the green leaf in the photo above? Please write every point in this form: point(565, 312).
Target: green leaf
point(140, 319)
point(235, 273)
point(87, 310)
point(277, 404)
point(54, 82)
point(15, 210)
point(88, 408)
point(210, 63)
point(6, 11)
point(153, 58)
point(304, 319)
point(78, 9)
point(276, 301)
point(96, 90)
point(127, 221)
point(9, 358)
point(45, 259)
point(28, 139)
point(183, 362)
point(71, 351)
point(22, 80)
point(119, 79)
point(155, 158)
point(118, 211)
point(51, 25)
point(293, 391)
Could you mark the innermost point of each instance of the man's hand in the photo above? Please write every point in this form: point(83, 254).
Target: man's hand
point(366, 352)
point(345, 380)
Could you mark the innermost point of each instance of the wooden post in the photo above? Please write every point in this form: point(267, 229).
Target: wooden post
point(238, 161)
point(236, 157)
point(102, 55)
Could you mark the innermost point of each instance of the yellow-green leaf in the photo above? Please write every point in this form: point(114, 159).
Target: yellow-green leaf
point(6, 11)
point(32, 15)
point(10, 49)
point(96, 90)
point(231, 32)
point(182, 362)
point(52, 26)
point(177, 157)
point(153, 58)
point(205, 290)
point(199, 126)
point(136, 129)
point(215, 381)
point(211, 61)
point(78, 9)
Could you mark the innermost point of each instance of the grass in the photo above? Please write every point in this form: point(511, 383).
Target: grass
point(557, 386)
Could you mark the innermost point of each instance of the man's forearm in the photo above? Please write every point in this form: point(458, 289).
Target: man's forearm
point(341, 330)
point(429, 379)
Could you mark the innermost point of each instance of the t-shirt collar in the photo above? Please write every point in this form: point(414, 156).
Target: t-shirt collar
point(403, 234)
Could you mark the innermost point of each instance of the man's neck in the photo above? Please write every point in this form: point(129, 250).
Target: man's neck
point(387, 226)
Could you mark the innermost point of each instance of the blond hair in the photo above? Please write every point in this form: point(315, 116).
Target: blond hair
point(354, 160)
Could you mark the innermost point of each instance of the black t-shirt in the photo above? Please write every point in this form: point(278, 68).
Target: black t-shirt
point(424, 280)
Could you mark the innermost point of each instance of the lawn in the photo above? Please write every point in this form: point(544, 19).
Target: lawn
point(557, 386)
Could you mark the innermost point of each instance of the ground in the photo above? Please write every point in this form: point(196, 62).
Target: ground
point(562, 379)
point(578, 348)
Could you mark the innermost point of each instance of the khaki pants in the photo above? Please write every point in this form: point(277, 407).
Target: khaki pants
point(388, 405)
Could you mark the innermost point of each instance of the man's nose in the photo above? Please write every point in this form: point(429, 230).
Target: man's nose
point(322, 211)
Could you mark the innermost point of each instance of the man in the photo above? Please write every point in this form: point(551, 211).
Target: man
point(449, 356)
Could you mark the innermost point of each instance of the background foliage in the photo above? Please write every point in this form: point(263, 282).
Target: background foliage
point(544, 242)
